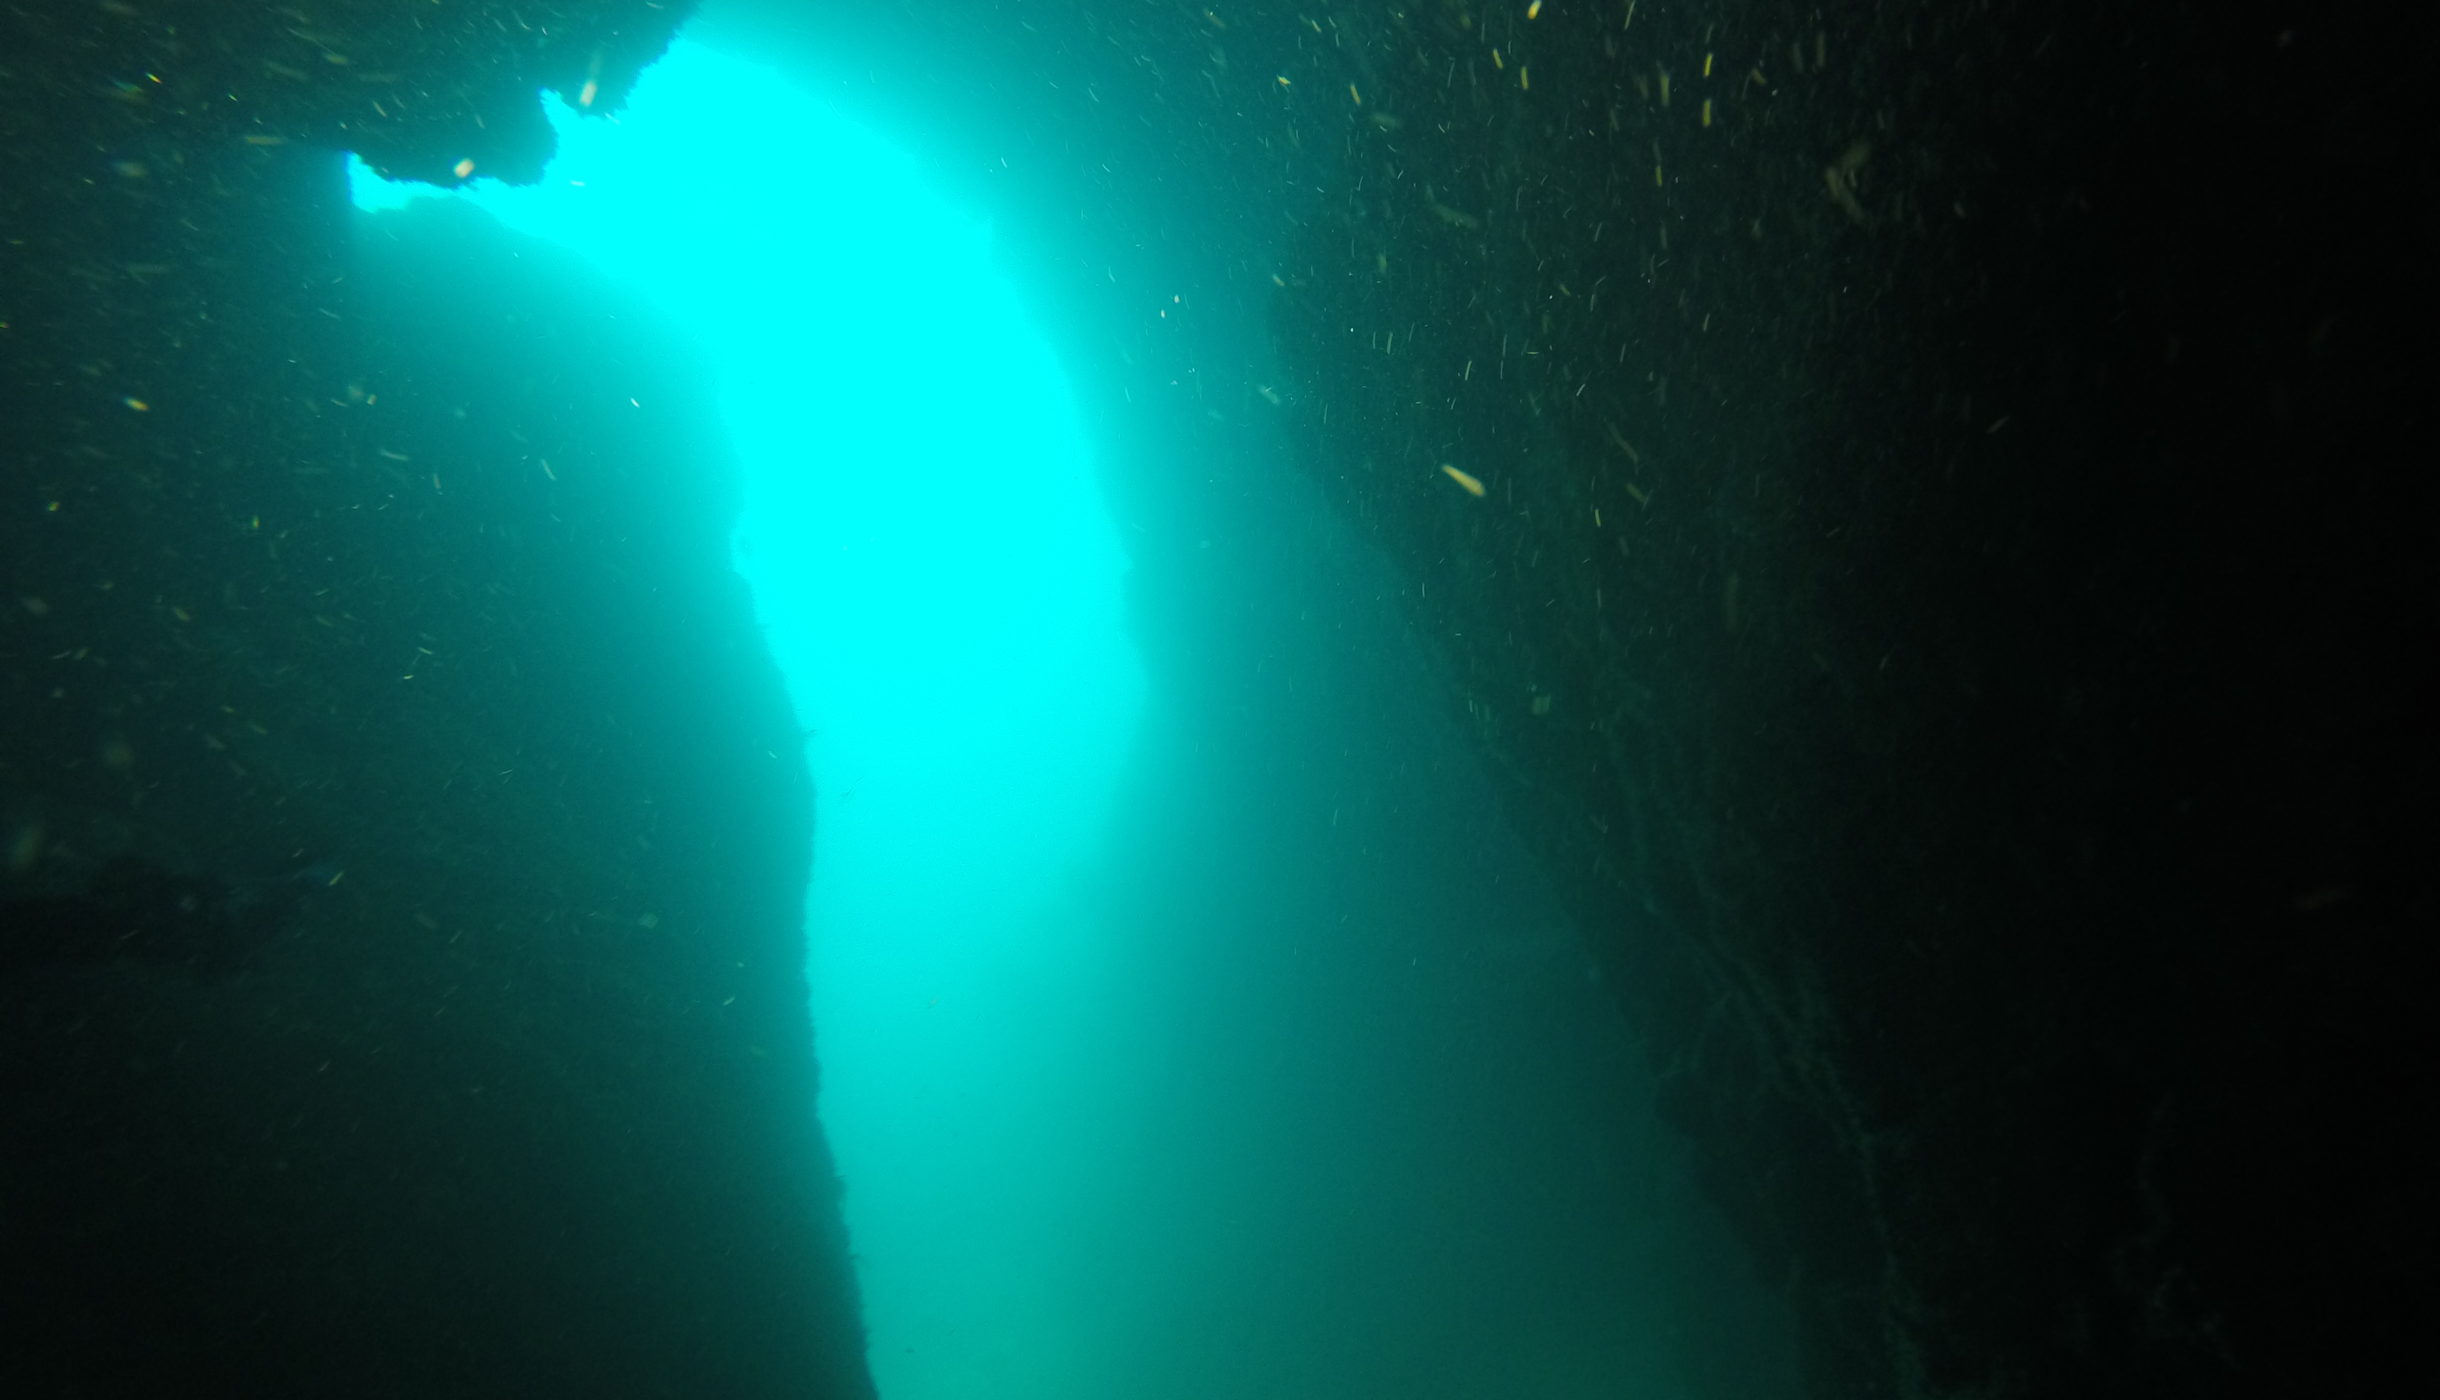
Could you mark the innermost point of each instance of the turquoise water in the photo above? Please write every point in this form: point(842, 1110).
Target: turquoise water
point(1190, 1025)
point(1099, 602)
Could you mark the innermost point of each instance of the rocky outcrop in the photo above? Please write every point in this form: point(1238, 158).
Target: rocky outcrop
point(1927, 564)
point(402, 559)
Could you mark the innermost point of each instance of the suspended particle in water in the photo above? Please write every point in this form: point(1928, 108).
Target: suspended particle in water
point(1471, 486)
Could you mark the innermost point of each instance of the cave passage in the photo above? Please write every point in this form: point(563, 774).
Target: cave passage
point(1184, 1009)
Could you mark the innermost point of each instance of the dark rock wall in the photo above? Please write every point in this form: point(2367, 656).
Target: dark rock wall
point(405, 561)
point(1939, 592)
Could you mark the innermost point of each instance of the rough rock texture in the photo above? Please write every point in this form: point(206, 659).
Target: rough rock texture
point(371, 652)
point(1940, 591)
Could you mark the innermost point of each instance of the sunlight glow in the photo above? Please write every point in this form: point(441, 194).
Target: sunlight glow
point(939, 580)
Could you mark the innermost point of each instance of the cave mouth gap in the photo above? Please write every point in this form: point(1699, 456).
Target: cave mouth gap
point(938, 577)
